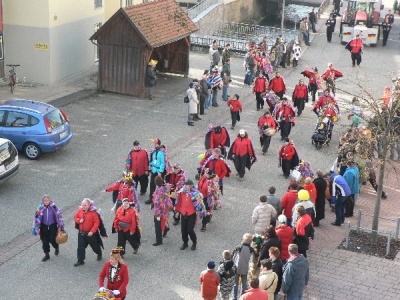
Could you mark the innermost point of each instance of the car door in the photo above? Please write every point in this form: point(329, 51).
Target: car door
point(2, 115)
point(16, 128)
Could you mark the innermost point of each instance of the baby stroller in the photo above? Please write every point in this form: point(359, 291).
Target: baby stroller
point(322, 133)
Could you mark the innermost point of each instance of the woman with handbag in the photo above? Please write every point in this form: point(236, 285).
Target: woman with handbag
point(47, 223)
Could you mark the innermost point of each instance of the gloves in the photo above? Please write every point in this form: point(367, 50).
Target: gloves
point(116, 292)
point(102, 289)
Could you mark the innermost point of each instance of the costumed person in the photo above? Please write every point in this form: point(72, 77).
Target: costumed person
point(355, 46)
point(191, 207)
point(162, 205)
point(330, 76)
point(150, 80)
point(117, 274)
point(242, 153)
point(310, 188)
point(157, 166)
point(236, 108)
point(288, 157)
point(320, 187)
point(305, 170)
point(271, 99)
point(267, 127)
point(288, 201)
point(175, 181)
point(284, 114)
point(300, 96)
point(126, 224)
point(277, 84)
point(48, 221)
point(219, 167)
point(303, 230)
point(217, 137)
point(266, 65)
point(88, 222)
point(314, 82)
point(208, 186)
point(323, 101)
point(296, 53)
point(126, 189)
point(137, 162)
point(260, 85)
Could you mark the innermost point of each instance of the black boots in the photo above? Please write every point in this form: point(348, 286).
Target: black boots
point(193, 247)
point(79, 263)
point(184, 246)
point(46, 257)
point(57, 251)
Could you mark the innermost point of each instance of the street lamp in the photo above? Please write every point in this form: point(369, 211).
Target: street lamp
point(282, 17)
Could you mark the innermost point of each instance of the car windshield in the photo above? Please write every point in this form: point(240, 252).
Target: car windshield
point(7, 150)
point(55, 118)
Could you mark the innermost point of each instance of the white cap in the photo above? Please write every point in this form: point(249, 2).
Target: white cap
point(282, 219)
point(242, 131)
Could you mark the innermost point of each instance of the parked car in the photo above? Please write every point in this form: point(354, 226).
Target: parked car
point(9, 163)
point(34, 127)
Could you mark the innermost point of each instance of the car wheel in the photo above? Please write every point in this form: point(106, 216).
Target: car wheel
point(32, 151)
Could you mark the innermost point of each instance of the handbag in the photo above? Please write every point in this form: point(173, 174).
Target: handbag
point(186, 99)
point(62, 237)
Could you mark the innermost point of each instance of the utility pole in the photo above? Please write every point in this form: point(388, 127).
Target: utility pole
point(282, 17)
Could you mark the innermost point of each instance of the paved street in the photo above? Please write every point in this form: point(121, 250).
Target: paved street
point(105, 125)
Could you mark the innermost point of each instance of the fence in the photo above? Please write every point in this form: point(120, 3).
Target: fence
point(322, 8)
point(200, 7)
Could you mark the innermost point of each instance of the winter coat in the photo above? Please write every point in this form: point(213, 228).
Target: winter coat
point(227, 276)
point(262, 216)
point(91, 220)
point(295, 276)
point(300, 92)
point(193, 101)
point(277, 267)
point(287, 152)
point(312, 191)
point(303, 231)
point(209, 280)
point(277, 85)
point(338, 186)
point(285, 233)
point(242, 146)
point(352, 178)
point(275, 202)
point(273, 241)
point(255, 294)
point(126, 217)
point(137, 162)
point(288, 201)
point(219, 167)
point(308, 206)
point(236, 105)
point(320, 187)
point(268, 282)
point(260, 85)
point(150, 80)
point(242, 256)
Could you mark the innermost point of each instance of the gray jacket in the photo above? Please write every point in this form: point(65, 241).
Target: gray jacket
point(242, 256)
point(275, 202)
point(295, 276)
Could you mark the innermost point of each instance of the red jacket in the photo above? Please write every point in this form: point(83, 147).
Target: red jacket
point(323, 100)
point(356, 45)
point(311, 77)
point(277, 85)
point(285, 113)
point(288, 201)
point(285, 233)
point(125, 190)
point(121, 278)
point(126, 216)
point(218, 139)
point(260, 85)
point(300, 92)
point(311, 190)
point(287, 152)
point(185, 205)
point(209, 281)
point(269, 121)
point(332, 74)
point(236, 105)
point(176, 181)
point(255, 294)
point(202, 186)
point(242, 147)
point(218, 166)
point(139, 162)
point(91, 220)
point(302, 223)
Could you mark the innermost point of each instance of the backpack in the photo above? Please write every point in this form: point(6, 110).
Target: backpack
point(186, 99)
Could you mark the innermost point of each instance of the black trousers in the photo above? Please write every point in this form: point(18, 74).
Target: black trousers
point(187, 228)
point(286, 127)
point(234, 117)
point(266, 140)
point(83, 241)
point(201, 105)
point(206, 219)
point(48, 235)
point(152, 185)
point(240, 164)
point(286, 166)
point(175, 212)
point(313, 90)
point(157, 227)
point(126, 236)
point(144, 182)
point(300, 103)
point(279, 94)
point(385, 37)
point(356, 57)
point(329, 34)
point(259, 100)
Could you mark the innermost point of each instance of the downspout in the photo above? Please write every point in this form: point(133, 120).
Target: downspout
point(99, 87)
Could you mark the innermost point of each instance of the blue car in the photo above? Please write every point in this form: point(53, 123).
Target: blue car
point(34, 127)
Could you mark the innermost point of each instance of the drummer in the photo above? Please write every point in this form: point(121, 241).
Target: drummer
point(267, 127)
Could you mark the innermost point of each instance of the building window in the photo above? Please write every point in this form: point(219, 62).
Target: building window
point(98, 3)
point(128, 3)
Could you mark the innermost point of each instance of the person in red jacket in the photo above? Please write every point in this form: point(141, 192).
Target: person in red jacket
point(137, 162)
point(87, 221)
point(285, 114)
point(286, 154)
point(277, 84)
point(300, 96)
point(310, 187)
point(126, 223)
point(356, 46)
point(209, 188)
point(242, 153)
point(219, 166)
point(126, 189)
point(209, 280)
point(323, 101)
point(267, 128)
point(175, 181)
point(236, 107)
point(303, 230)
point(288, 201)
point(217, 137)
point(314, 82)
point(255, 293)
point(117, 275)
point(285, 233)
point(330, 76)
point(260, 86)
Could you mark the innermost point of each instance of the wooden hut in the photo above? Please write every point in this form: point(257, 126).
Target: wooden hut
point(157, 30)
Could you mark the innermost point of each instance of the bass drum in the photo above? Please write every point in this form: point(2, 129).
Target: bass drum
point(104, 296)
point(269, 131)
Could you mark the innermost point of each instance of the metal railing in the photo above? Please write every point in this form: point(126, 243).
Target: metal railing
point(322, 8)
point(397, 221)
point(200, 7)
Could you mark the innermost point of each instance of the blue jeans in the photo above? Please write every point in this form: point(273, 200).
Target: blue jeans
point(225, 92)
point(294, 298)
point(215, 97)
point(306, 38)
point(236, 286)
point(207, 103)
point(339, 210)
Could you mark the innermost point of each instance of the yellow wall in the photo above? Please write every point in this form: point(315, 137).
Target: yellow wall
point(26, 13)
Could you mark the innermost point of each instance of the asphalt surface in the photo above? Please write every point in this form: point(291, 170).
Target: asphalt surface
point(105, 125)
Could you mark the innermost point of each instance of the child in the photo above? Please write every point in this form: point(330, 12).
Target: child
point(236, 107)
point(296, 53)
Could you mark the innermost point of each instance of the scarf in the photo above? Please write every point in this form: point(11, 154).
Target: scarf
point(39, 214)
point(197, 200)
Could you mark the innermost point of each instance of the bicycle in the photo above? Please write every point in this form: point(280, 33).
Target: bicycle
point(12, 77)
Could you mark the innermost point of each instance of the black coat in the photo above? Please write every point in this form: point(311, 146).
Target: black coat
point(271, 242)
point(277, 267)
point(320, 186)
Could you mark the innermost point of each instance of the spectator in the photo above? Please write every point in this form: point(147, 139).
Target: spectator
point(268, 278)
point(192, 106)
point(204, 97)
point(295, 274)
point(255, 293)
point(277, 267)
point(339, 190)
point(226, 79)
point(263, 215)
point(296, 53)
point(313, 19)
point(275, 202)
point(320, 187)
point(209, 280)
point(150, 80)
point(271, 240)
point(352, 175)
point(227, 271)
point(303, 231)
point(288, 201)
point(285, 234)
point(226, 54)
point(304, 200)
point(305, 31)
